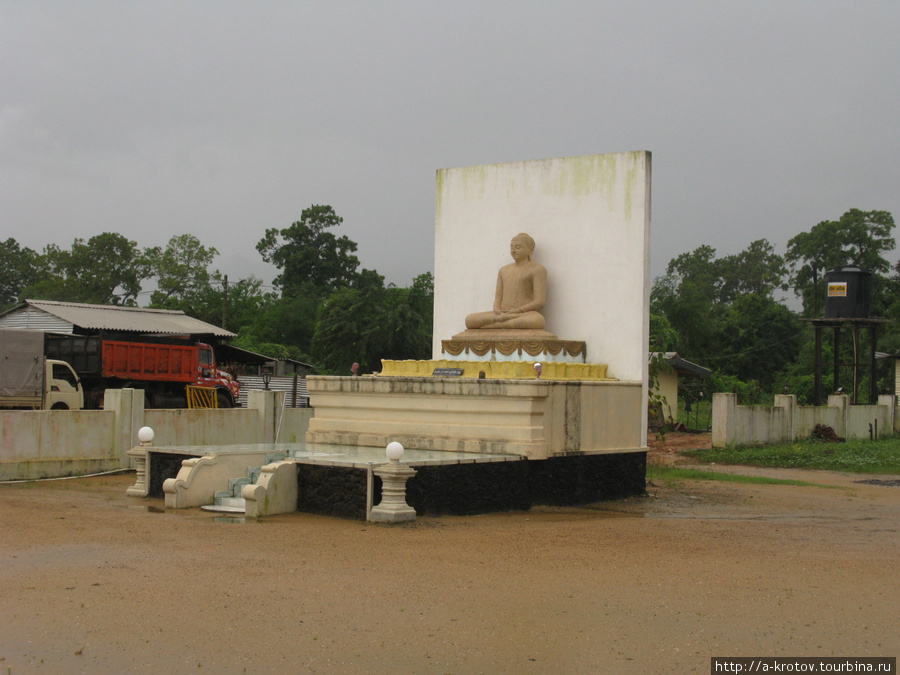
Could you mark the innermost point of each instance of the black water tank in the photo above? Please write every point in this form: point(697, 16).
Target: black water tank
point(848, 293)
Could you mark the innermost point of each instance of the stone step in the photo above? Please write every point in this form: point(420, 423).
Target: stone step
point(223, 509)
point(235, 485)
point(232, 501)
point(226, 503)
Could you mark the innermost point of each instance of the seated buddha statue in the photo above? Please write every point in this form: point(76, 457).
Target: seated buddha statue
point(521, 292)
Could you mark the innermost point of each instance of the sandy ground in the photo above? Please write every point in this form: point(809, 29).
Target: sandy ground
point(92, 581)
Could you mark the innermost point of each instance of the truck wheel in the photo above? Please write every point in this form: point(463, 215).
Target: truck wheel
point(59, 406)
point(224, 399)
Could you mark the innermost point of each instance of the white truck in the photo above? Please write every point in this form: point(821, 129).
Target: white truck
point(31, 381)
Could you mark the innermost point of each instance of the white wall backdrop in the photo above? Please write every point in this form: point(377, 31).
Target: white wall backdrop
point(590, 218)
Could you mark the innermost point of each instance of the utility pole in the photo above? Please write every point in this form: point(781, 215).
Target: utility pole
point(815, 271)
point(225, 302)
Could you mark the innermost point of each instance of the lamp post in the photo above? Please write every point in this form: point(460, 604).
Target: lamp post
point(393, 507)
point(266, 376)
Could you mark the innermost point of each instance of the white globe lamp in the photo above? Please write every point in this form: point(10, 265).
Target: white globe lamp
point(145, 435)
point(394, 451)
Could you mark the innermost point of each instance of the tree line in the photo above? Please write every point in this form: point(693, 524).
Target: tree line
point(732, 315)
point(323, 309)
point(728, 313)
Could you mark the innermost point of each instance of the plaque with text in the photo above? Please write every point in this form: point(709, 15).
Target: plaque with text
point(447, 372)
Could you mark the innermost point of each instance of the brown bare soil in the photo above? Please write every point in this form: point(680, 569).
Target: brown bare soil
point(664, 448)
point(92, 581)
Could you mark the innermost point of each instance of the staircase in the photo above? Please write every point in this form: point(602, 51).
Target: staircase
point(230, 500)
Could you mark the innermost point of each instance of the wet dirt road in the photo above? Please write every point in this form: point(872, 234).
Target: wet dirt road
point(92, 581)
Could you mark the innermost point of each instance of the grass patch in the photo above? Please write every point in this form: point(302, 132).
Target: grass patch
point(856, 456)
point(671, 474)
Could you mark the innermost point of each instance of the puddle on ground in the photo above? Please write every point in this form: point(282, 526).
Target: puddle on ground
point(587, 512)
point(146, 508)
point(884, 482)
point(185, 513)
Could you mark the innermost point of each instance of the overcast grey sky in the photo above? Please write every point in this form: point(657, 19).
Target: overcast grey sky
point(221, 119)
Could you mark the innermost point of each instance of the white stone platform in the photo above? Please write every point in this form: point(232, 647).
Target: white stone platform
point(538, 419)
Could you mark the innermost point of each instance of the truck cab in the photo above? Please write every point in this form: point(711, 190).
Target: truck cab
point(29, 380)
point(62, 390)
point(209, 375)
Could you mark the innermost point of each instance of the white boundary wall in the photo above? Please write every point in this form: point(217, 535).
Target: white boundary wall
point(590, 218)
point(736, 425)
point(53, 443)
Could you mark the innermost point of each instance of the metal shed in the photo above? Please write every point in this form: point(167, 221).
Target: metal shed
point(85, 319)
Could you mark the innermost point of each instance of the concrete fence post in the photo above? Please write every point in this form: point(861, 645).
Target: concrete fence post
point(268, 405)
point(724, 409)
point(889, 401)
point(788, 402)
point(128, 407)
point(841, 402)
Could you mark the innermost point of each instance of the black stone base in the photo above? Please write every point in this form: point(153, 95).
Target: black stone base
point(462, 489)
point(332, 491)
point(582, 479)
point(162, 466)
point(465, 489)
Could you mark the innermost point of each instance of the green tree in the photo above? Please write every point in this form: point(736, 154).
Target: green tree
point(270, 325)
point(349, 326)
point(242, 302)
point(18, 269)
point(368, 322)
point(799, 378)
point(760, 337)
point(231, 305)
point(663, 337)
point(106, 269)
point(421, 297)
point(408, 319)
point(859, 238)
point(288, 321)
point(182, 273)
point(699, 268)
point(721, 312)
point(308, 255)
point(53, 283)
point(690, 309)
point(757, 270)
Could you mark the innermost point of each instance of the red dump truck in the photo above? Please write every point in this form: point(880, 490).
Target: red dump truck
point(161, 367)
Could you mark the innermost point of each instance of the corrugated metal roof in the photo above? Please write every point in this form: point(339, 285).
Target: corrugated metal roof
point(232, 353)
point(31, 318)
point(683, 366)
point(113, 318)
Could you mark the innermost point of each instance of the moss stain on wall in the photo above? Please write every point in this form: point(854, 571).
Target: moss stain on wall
point(583, 176)
point(578, 176)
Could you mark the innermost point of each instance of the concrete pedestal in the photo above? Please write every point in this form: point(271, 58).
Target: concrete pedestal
point(393, 507)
